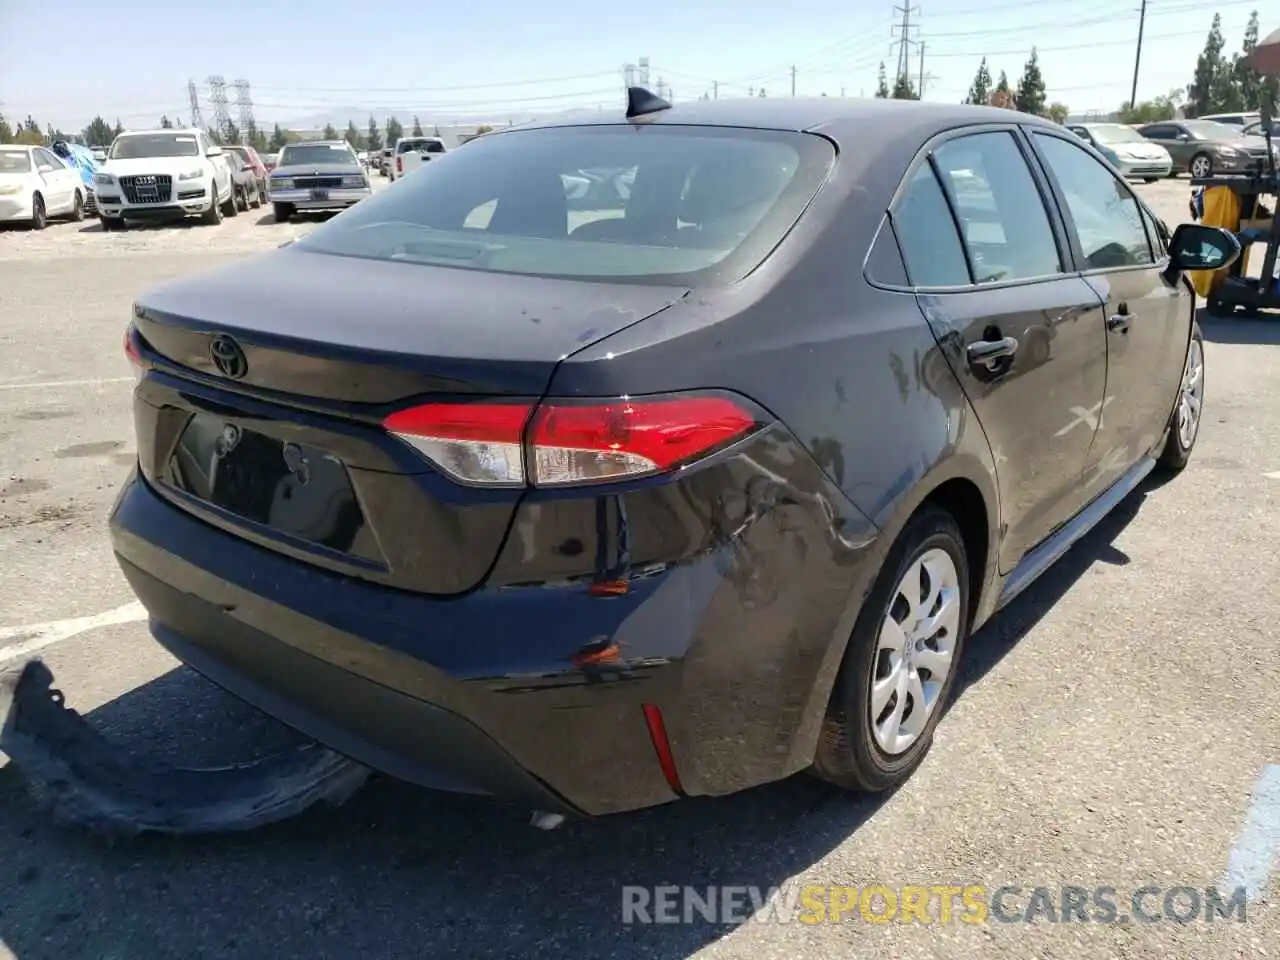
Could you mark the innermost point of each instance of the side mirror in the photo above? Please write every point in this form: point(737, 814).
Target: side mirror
point(1184, 137)
point(45, 168)
point(1195, 246)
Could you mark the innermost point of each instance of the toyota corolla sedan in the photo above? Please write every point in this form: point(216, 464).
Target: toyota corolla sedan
point(595, 507)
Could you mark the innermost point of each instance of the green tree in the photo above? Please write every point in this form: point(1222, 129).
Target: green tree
point(980, 91)
point(1058, 112)
point(6, 131)
point(98, 133)
point(1254, 90)
point(231, 134)
point(166, 123)
point(215, 136)
point(1030, 97)
point(29, 133)
point(435, 130)
point(417, 127)
point(394, 131)
point(373, 140)
point(1205, 85)
point(762, 93)
point(1164, 107)
point(352, 136)
point(483, 129)
point(882, 83)
point(329, 132)
point(119, 129)
point(903, 90)
point(278, 139)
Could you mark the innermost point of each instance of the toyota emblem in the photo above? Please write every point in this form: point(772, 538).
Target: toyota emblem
point(228, 357)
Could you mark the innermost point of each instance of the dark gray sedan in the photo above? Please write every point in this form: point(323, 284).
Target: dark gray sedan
point(319, 175)
point(1204, 147)
point(623, 459)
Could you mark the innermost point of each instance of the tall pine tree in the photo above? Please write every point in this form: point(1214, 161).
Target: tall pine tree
point(904, 90)
point(1002, 96)
point(980, 92)
point(1030, 97)
point(1209, 64)
point(882, 83)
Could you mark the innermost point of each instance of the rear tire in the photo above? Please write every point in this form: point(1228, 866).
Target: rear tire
point(283, 211)
point(1188, 412)
point(1150, 179)
point(851, 749)
point(77, 208)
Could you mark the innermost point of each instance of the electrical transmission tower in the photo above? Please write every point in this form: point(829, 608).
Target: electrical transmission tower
point(193, 94)
point(644, 72)
point(904, 42)
point(221, 112)
point(244, 109)
point(628, 75)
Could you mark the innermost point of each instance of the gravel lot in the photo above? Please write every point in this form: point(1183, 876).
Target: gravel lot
point(1112, 726)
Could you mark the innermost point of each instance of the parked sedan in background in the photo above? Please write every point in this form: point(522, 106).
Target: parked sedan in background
point(244, 181)
point(1203, 147)
point(318, 175)
point(35, 185)
point(1128, 150)
point(1256, 129)
point(603, 508)
point(255, 163)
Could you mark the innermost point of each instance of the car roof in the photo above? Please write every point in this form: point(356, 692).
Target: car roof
point(844, 120)
point(318, 143)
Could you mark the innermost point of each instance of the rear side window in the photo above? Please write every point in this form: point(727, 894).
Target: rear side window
point(926, 232)
point(1106, 214)
point(1002, 215)
point(657, 204)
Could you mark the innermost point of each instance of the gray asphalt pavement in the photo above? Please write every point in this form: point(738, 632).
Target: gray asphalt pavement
point(1111, 730)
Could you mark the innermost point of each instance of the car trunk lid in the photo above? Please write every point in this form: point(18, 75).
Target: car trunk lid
point(284, 447)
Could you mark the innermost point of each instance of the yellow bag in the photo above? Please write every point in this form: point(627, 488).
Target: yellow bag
point(1221, 209)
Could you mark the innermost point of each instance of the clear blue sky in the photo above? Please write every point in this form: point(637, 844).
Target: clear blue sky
point(66, 60)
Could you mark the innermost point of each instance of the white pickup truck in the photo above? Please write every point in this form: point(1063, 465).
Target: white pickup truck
point(413, 152)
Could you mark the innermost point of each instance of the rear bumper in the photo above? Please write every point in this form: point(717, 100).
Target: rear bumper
point(488, 692)
point(302, 200)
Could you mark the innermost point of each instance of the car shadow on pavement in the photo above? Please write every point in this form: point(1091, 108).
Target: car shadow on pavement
point(400, 872)
point(1264, 329)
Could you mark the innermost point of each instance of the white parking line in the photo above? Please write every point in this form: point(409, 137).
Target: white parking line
point(1257, 848)
point(40, 385)
point(37, 636)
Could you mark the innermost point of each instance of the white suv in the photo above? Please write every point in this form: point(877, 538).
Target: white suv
point(164, 175)
point(413, 152)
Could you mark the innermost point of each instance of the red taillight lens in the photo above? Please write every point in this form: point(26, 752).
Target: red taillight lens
point(399, 165)
point(132, 352)
point(568, 442)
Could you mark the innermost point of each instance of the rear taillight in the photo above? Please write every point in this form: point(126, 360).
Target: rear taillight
point(560, 442)
point(399, 165)
point(133, 352)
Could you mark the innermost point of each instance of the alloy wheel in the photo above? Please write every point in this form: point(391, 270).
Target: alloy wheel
point(915, 651)
point(1191, 397)
point(1200, 166)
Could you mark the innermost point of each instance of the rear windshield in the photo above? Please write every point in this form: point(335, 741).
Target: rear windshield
point(154, 145)
point(423, 146)
point(15, 161)
point(302, 154)
point(658, 204)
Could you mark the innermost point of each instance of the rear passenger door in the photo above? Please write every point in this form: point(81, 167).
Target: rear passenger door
point(1026, 339)
point(1148, 312)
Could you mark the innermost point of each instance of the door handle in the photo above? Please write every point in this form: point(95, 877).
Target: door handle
point(986, 351)
point(1120, 322)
